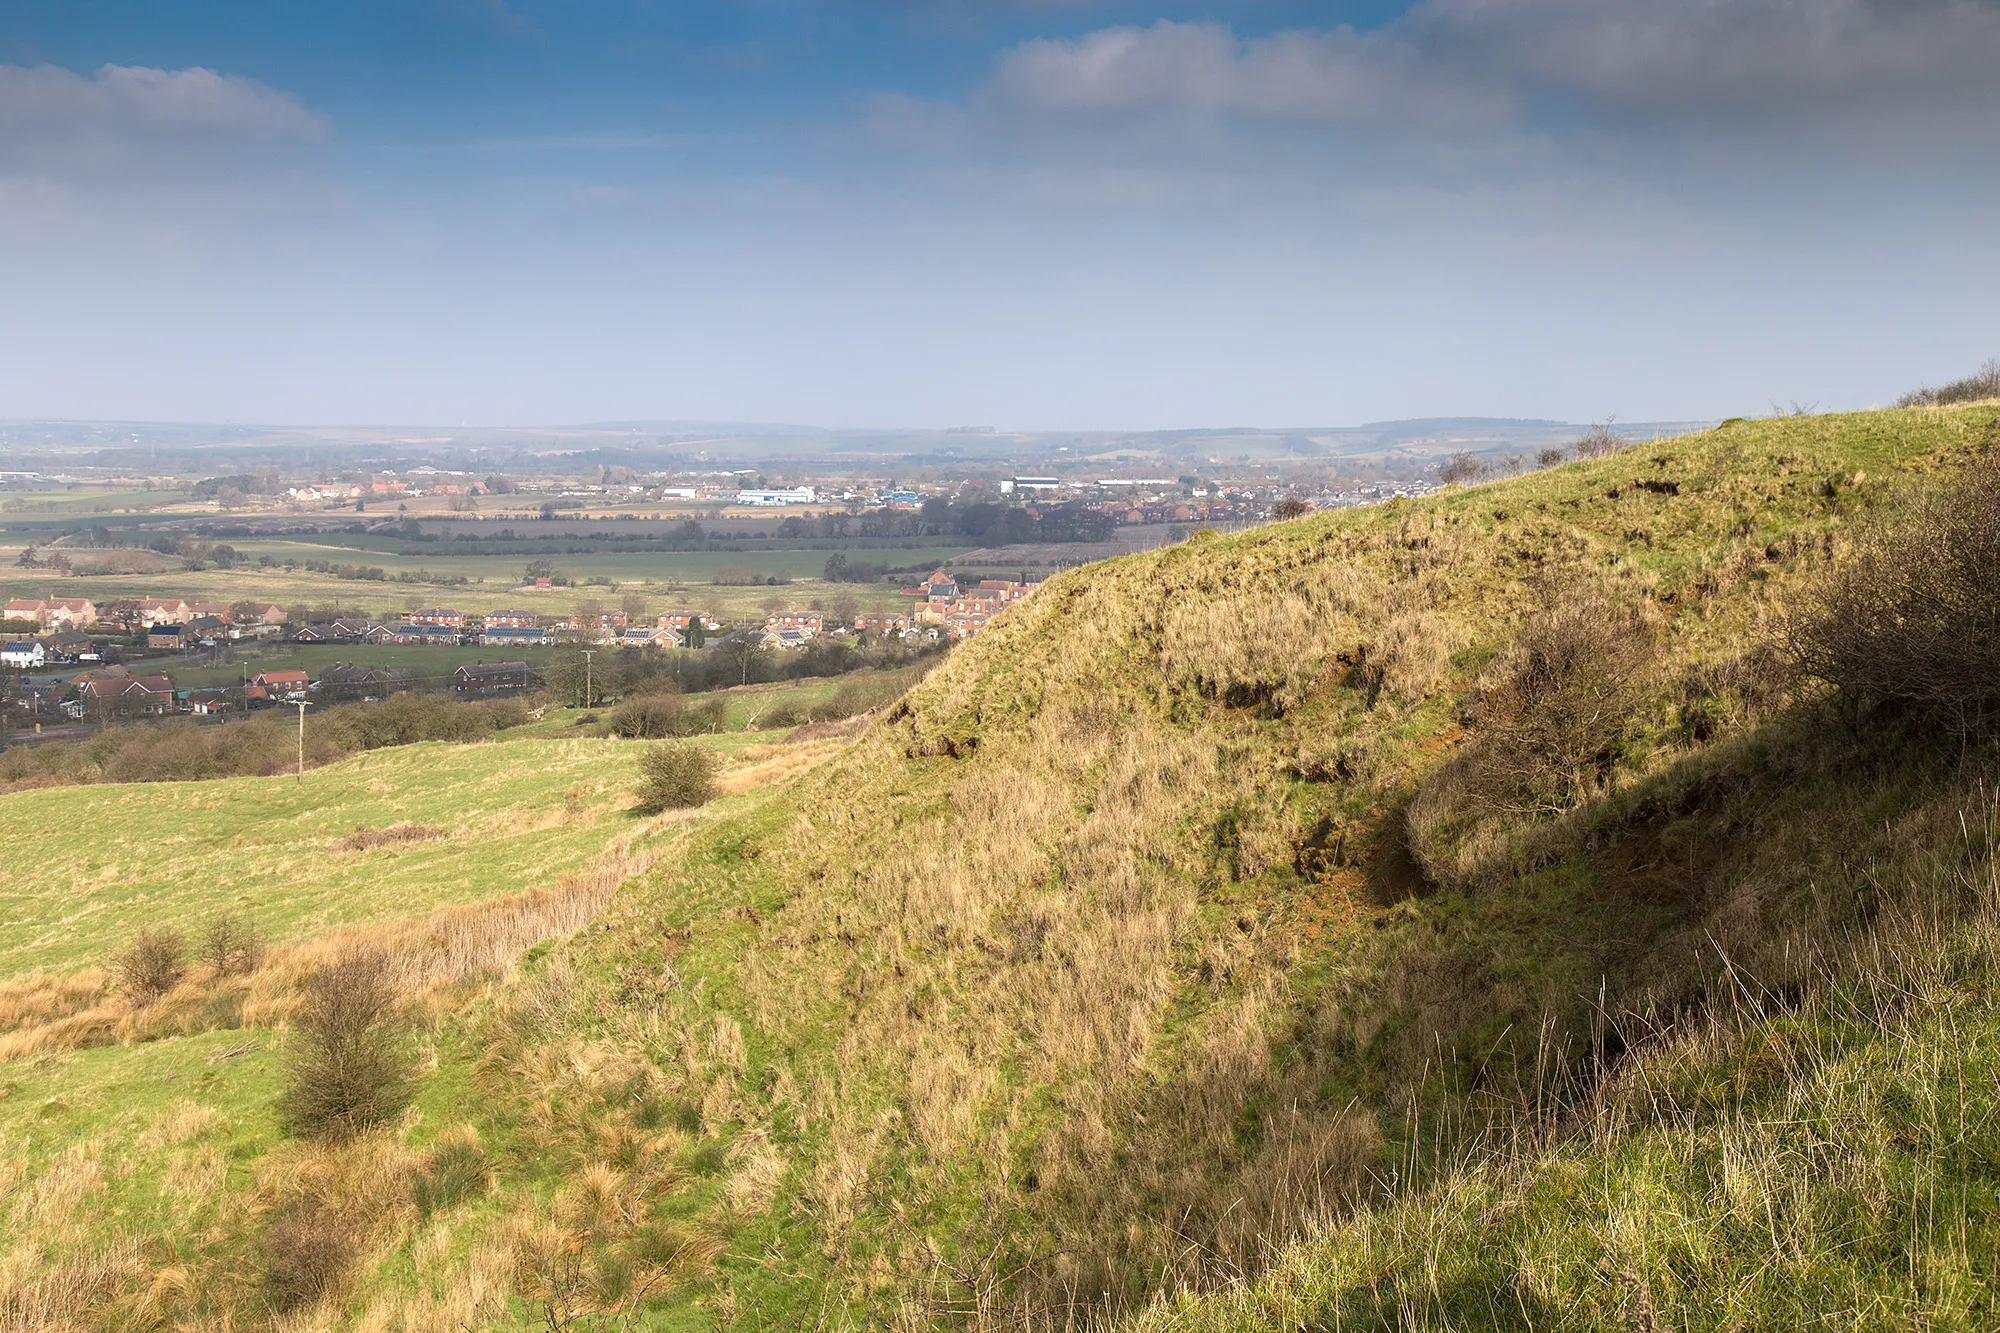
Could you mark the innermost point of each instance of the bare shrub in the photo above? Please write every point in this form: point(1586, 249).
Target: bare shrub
point(307, 1252)
point(657, 716)
point(229, 945)
point(362, 839)
point(781, 715)
point(1554, 457)
point(674, 775)
point(1464, 469)
point(865, 696)
point(1600, 441)
point(152, 964)
point(1977, 387)
point(1560, 703)
point(1290, 507)
point(350, 1065)
point(1914, 619)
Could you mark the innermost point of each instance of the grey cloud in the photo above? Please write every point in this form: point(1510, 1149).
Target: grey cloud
point(1458, 62)
point(57, 122)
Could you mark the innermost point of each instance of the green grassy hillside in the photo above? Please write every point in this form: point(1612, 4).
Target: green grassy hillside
point(1232, 921)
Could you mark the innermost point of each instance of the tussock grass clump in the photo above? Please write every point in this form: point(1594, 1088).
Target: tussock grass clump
point(152, 964)
point(1913, 621)
point(675, 775)
point(455, 1170)
point(350, 1065)
point(364, 839)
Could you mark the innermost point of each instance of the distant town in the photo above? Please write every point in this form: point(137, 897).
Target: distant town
point(68, 660)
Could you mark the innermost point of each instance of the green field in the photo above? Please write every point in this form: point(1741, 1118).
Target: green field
point(689, 567)
point(431, 665)
point(303, 588)
point(516, 813)
point(81, 503)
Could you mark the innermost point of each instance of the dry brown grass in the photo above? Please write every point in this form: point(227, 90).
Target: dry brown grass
point(72, 1291)
point(364, 839)
point(431, 961)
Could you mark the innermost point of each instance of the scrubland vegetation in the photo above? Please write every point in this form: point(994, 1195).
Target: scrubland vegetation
point(178, 751)
point(1568, 902)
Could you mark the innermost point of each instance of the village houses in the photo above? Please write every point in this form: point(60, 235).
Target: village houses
point(53, 612)
point(116, 691)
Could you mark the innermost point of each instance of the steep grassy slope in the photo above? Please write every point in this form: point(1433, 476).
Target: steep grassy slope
point(1827, 1156)
point(1117, 955)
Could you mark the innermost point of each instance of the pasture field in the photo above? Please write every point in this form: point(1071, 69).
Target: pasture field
point(83, 502)
point(89, 866)
point(305, 588)
point(431, 664)
point(621, 566)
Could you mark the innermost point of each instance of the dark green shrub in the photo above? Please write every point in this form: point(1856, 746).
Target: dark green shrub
point(674, 775)
point(350, 1064)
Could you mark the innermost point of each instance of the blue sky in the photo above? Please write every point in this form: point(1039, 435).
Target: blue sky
point(1026, 213)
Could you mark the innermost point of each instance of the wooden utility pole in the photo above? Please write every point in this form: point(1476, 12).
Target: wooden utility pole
point(303, 704)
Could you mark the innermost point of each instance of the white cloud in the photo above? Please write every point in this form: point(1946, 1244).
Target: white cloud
point(1337, 75)
point(55, 121)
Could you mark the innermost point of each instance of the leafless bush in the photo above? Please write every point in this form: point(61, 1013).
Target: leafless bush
point(1599, 441)
point(1552, 457)
point(229, 945)
point(1561, 701)
point(1914, 619)
point(675, 774)
point(1973, 388)
point(152, 964)
point(350, 1065)
point(655, 716)
point(362, 839)
point(307, 1252)
point(1463, 469)
point(1289, 508)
